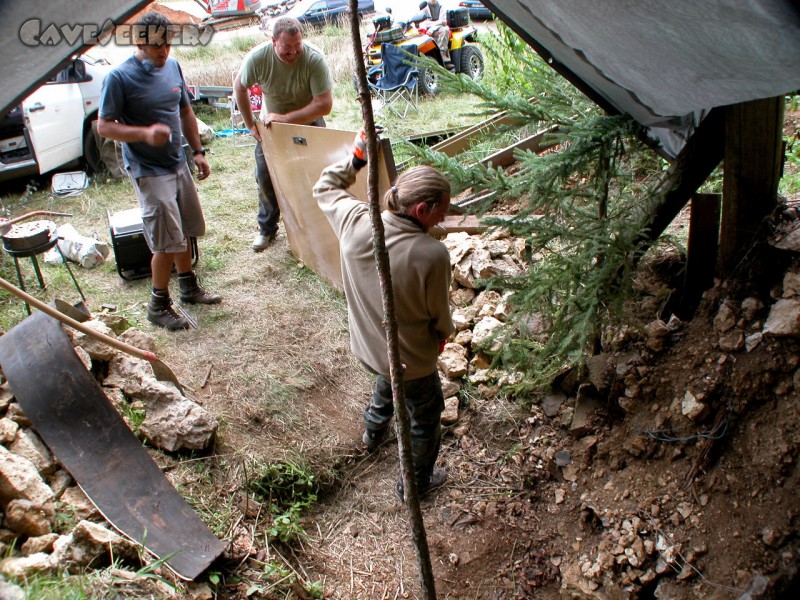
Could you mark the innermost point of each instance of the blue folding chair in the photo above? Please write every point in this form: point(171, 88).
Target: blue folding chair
point(398, 80)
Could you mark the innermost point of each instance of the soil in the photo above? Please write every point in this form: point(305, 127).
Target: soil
point(176, 17)
point(640, 502)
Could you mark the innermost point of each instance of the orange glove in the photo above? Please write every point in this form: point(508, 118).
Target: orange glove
point(360, 146)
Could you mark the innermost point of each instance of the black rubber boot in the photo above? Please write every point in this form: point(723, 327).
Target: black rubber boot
point(193, 293)
point(437, 479)
point(161, 313)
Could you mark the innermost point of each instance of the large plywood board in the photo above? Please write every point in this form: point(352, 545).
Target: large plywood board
point(296, 155)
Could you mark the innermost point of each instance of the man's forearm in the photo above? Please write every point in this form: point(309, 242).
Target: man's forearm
point(319, 106)
point(119, 132)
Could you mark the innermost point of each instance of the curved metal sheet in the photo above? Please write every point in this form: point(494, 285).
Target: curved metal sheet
point(88, 436)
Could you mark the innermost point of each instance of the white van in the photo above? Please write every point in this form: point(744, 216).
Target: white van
point(53, 126)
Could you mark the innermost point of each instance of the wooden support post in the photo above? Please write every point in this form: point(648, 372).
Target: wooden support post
point(695, 162)
point(701, 260)
point(753, 159)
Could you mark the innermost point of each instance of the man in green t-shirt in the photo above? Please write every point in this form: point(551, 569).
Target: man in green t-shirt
point(297, 88)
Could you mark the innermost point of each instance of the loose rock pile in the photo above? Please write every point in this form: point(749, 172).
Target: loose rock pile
point(49, 525)
point(626, 519)
point(477, 314)
point(653, 543)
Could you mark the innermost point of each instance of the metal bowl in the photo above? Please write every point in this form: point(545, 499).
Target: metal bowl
point(26, 236)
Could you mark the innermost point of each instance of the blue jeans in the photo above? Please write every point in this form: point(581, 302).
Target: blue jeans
point(425, 403)
point(268, 211)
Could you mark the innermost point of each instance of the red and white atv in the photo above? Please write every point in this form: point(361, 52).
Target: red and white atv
point(229, 14)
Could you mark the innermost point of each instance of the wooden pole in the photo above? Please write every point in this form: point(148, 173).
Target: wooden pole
point(694, 163)
point(701, 258)
point(390, 318)
point(753, 160)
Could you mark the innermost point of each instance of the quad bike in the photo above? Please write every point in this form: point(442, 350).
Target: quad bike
point(464, 55)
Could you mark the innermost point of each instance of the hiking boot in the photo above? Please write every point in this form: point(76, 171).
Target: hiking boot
point(193, 293)
point(161, 313)
point(373, 438)
point(263, 240)
point(438, 477)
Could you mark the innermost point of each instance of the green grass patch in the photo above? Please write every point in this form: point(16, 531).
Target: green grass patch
point(288, 490)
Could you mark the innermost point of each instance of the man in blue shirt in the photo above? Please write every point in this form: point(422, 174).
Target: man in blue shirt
point(145, 104)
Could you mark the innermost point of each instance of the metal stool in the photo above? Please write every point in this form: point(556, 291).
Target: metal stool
point(32, 253)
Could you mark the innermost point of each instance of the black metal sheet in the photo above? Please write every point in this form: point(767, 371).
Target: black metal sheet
point(88, 436)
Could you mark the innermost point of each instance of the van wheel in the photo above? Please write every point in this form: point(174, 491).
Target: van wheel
point(91, 151)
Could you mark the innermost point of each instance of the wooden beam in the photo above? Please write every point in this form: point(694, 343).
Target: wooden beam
point(538, 142)
point(753, 160)
point(701, 259)
point(695, 162)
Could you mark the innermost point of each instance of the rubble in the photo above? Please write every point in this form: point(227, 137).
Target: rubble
point(633, 544)
point(34, 486)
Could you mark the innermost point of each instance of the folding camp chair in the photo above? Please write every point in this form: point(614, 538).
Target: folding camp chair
point(398, 81)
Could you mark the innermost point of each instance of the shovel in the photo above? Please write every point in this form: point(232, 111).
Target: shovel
point(160, 368)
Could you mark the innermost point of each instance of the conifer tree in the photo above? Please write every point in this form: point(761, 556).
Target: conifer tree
point(580, 206)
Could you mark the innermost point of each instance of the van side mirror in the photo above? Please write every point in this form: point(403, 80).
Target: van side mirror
point(79, 68)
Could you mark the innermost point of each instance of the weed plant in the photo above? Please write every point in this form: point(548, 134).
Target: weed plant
point(289, 489)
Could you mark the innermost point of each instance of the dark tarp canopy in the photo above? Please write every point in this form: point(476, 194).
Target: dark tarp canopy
point(665, 63)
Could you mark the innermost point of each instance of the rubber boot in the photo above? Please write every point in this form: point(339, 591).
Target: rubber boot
point(193, 293)
point(161, 313)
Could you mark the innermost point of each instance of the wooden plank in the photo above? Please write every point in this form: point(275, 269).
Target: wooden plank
point(701, 259)
point(538, 142)
point(453, 223)
point(296, 155)
point(461, 141)
point(753, 159)
point(88, 436)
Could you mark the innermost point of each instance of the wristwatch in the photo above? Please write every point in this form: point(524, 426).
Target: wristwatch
point(199, 151)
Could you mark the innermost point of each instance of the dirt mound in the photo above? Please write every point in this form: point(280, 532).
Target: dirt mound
point(669, 470)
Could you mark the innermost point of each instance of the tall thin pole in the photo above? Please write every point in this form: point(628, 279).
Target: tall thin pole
point(390, 318)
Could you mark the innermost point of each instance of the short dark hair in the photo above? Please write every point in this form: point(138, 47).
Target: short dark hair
point(288, 25)
point(151, 28)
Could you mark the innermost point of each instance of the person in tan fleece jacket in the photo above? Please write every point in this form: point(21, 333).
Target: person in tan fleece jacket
point(421, 273)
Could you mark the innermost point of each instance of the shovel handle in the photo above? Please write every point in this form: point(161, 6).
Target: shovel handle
point(49, 310)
